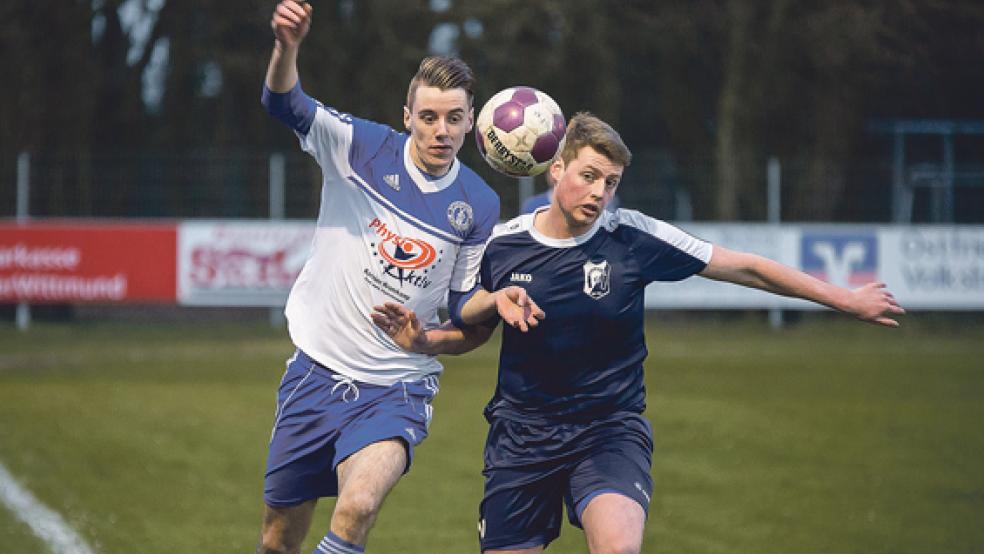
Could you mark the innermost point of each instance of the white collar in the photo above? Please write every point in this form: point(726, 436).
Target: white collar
point(562, 243)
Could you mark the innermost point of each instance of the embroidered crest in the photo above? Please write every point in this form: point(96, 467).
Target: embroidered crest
point(460, 216)
point(597, 278)
point(393, 180)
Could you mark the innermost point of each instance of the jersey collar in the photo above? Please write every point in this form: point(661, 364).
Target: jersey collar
point(568, 242)
point(423, 183)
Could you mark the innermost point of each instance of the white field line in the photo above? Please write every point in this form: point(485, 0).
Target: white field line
point(47, 524)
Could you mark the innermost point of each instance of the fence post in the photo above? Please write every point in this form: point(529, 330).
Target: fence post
point(945, 203)
point(277, 212)
point(525, 191)
point(774, 182)
point(23, 209)
point(901, 203)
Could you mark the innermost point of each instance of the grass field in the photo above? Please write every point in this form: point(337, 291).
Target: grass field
point(829, 437)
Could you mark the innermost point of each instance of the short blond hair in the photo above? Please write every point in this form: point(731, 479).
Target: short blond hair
point(585, 129)
point(444, 73)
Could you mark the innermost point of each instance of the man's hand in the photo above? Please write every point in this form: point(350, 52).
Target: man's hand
point(291, 22)
point(402, 325)
point(517, 309)
point(874, 304)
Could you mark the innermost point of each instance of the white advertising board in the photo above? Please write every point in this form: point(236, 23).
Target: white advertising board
point(240, 263)
point(771, 241)
point(934, 267)
point(927, 267)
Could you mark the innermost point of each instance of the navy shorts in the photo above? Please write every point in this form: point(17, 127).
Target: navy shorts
point(322, 418)
point(531, 471)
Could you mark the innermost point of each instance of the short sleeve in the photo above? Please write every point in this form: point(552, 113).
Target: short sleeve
point(664, 252)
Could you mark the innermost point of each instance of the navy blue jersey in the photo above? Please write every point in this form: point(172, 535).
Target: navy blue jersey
point(585, 359)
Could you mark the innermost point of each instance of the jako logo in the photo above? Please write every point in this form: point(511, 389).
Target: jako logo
point(402, 252)
point(844, 259)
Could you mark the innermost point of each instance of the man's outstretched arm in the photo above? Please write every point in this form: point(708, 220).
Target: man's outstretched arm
point(402, 325)
point(473, 319)
point(871, 303)
point(480, 306)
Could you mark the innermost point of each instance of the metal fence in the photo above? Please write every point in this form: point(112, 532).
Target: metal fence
point(238, 185)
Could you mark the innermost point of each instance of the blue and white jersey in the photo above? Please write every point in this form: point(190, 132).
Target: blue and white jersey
point(385, 232)
point(585, 359)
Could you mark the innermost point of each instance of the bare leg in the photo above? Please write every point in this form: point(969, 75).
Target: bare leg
point(284, 528)
point(613, 524)
point(364, 480)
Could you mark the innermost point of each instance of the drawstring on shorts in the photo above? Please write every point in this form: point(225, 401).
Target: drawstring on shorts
point(350, 387)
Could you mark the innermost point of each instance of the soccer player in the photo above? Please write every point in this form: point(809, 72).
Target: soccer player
point(565, 419)
point(544, 198)
point(401, 219)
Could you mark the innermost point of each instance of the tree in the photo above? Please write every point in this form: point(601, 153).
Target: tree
point(711, 87)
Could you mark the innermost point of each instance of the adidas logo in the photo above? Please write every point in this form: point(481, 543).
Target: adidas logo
point(393, 180)
point(521, 278)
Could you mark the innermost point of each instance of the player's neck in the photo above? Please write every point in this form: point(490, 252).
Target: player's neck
point(554, 224)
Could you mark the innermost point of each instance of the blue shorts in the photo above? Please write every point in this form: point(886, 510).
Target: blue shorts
point(323, 418)
point(532, 470)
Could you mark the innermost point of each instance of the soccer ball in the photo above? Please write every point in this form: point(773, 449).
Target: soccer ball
point(519, 131)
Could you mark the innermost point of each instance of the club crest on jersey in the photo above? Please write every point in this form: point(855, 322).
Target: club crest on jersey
point(393, 180)
point(460, 216)
point(597, 279)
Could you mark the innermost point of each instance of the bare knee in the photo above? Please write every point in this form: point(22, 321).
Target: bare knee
point(358, 508)
point(364, 479)
point(275, 542)
point(613, 543)
point(284, 529)
point(619, 545)
point(614, 525)
point(275, 548)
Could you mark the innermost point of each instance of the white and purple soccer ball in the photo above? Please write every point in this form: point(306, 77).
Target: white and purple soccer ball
point(519, 131)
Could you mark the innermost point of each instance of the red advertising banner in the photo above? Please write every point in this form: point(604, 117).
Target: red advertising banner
point(79, 262)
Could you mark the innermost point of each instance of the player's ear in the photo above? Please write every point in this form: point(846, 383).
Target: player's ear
point(406, 117)
point(471, 119)
point(556, 169)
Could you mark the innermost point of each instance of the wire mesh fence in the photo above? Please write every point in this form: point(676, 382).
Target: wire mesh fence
point(236, 184)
